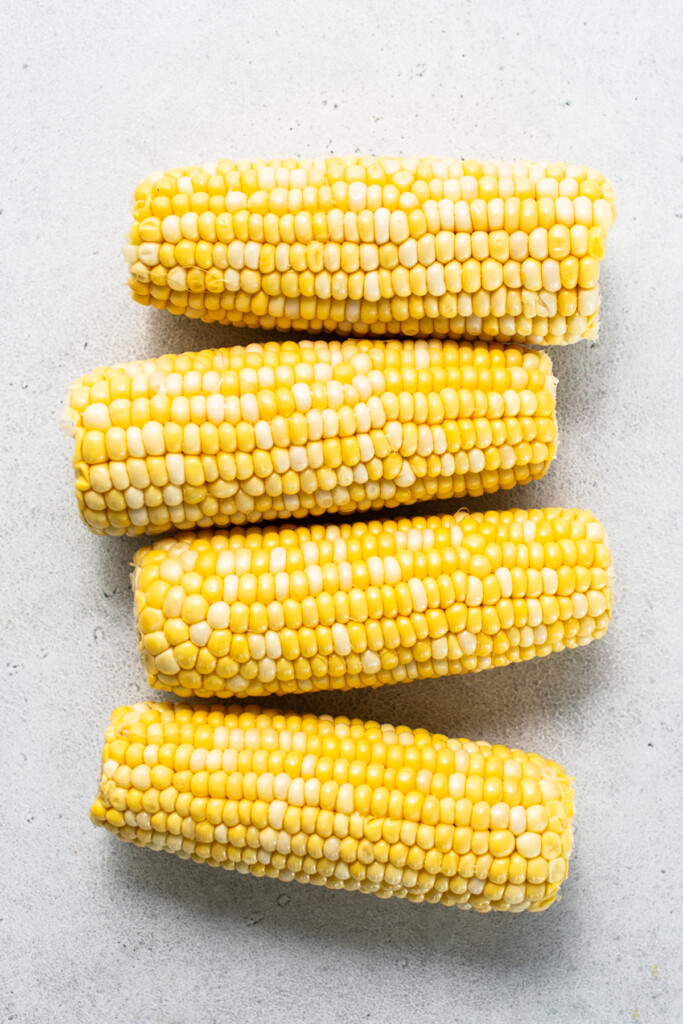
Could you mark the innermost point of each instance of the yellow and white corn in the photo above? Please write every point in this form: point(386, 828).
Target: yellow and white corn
point(339, 802)
point(366, 245)
point(272, 430)
point(290, 610)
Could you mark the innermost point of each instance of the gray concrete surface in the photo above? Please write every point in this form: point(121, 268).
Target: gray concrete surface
point(97, 95)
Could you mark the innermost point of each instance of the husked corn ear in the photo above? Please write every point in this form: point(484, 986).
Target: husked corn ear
point(339, 802)
point(241, 434)
point(367, 245)
point(364, 604)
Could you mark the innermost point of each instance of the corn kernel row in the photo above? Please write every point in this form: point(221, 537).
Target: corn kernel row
point(342, 803)
point(376, 246)
point(365, 604)
point(236, 435)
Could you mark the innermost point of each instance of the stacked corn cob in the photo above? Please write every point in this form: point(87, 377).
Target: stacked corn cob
point(365, 604)
point(367, 246)
point(433, 249)
point(346, 804)
point(243, 434)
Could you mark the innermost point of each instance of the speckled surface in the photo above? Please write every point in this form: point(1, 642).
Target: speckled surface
point(95, 97)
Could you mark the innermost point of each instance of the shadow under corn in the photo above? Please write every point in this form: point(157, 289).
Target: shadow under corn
point(323, 923)
point(170, 333)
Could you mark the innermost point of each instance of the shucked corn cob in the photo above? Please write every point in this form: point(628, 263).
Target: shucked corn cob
point(342, 803)
point(376, 246)
point(242, 434)
point(363, 604)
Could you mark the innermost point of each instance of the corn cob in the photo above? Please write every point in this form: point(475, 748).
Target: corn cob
point(365, 604)
point(337, 802)
point(363, 245)
point(241, 434)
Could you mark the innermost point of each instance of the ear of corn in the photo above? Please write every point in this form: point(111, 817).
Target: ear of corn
point(342, 803)
point(276, 430)
point(376, 246)
point(365, 604)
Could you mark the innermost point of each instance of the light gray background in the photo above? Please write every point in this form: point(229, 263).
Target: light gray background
point(97, 95)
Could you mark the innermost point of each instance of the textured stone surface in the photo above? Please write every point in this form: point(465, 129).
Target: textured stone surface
point(95, 97)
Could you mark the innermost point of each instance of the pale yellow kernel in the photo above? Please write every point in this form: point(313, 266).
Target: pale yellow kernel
point(529, 845)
